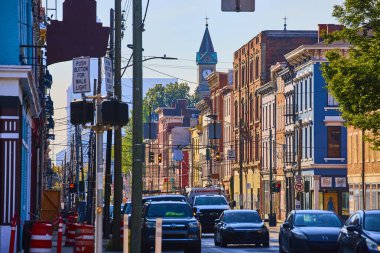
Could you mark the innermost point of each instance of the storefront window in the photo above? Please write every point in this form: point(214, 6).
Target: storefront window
point(367, 196)
point(373, 197)
point(356, 197)
point(345, 203)
point(378, 196)
point(320, 201)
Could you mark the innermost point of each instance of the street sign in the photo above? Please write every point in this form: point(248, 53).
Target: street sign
point(238, 5)
point(230, 154)
point(299, 187)
point(108, 74)
point(81, 75)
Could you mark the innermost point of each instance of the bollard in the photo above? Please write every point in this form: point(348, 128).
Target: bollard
point(13, 234)
point(158, 241)
point(59, 239)
point(125, 232)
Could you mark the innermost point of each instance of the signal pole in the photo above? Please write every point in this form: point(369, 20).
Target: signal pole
point(137, 167)
point(118, 183)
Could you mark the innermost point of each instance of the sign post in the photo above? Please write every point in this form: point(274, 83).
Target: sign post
point(81, 75)
point(108, 75)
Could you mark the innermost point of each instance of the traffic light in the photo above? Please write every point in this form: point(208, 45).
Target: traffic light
point(208, 154)
point(159, 158)
point(81, 112)
point(273, 186)
point(217, 156)
point(72, 188)
point(151, 157)
point(114, 112)
point(278, 186)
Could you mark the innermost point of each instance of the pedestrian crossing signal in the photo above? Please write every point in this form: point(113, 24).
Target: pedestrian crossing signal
point(159, 158)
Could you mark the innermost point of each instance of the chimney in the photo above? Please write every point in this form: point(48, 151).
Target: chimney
point(324, 29)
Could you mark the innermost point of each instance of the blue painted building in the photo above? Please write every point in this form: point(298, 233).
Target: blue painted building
point(315, 131)
point(20, 109)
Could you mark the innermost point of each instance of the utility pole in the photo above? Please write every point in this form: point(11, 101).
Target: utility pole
point(118, 183)
point(137, 167)
point(241, 144)
point(363, 173)
point(270, 174)
point(299, 155)
point(99, 177)
point(107, 192)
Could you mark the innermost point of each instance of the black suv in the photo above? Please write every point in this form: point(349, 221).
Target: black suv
point(207, 208)
point(179, 227)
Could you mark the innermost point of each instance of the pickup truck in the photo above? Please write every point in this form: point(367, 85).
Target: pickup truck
point(207, 208)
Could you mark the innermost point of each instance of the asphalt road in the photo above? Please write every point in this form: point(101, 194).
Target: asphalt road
point(209, 247)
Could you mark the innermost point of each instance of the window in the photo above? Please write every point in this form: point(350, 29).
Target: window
point(333, 141)
point(301, 96)
point(257, 147)
point(236, 79)
point(310, 94)
point(251, 71)
point(311, 141)
point(243, 75)
point(306, 139)
point(270, 117)
point(331, 100)
point(257, 68)
point(306, 105)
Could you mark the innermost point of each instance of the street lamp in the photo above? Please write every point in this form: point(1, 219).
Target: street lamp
point(145, 59)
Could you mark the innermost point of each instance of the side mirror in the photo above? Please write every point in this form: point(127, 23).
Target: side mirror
point(286, 225)
point(233, 204)
point(217, 221)
point(266, 220)
point(352, 228)
point(194, 210)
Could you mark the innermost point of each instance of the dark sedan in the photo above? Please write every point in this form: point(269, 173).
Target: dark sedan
point(310, 231)
point(180, 229)
point(240, 227)
point(361, 233)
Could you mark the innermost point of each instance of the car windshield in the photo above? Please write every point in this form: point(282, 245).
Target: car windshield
point(236, 217)
point(317, 220)
point(201, 201)
point(372, 222)
point(169, 210)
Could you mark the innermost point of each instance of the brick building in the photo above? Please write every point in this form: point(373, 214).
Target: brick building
point(251, 68)
point(355, 168)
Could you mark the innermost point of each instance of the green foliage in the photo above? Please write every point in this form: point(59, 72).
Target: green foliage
point(354, 78)
point(163, 96)
point(126, 157)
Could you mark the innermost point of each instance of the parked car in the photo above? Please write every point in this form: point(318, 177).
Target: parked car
point(310, 231)
point(361, 233)
point(208, 208)
point(240, 227)
point(179, 227)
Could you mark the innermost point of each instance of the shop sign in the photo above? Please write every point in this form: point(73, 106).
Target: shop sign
point(326, 182)
point(340, 182)
point(81, 75)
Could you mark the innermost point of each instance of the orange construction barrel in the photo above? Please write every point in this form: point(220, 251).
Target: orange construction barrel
point(41, 238)
point(84, 239)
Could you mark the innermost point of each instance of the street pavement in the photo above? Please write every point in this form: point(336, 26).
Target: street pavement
point(209, 247)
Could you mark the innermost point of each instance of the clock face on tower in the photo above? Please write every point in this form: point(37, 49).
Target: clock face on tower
point(205, 73)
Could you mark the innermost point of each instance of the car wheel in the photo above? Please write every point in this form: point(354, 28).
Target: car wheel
point(280, 249)
point(222, 242)
point(216, 243)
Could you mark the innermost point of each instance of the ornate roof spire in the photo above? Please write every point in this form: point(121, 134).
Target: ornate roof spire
point(206, 54)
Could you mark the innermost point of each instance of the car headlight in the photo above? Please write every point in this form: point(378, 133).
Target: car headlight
point(299, 236)
point(193, 224)
point(150, 224)
point(372, 245)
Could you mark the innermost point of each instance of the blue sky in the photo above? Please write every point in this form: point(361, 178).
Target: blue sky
point(175, 28)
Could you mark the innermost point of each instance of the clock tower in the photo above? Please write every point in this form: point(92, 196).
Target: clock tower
point(206, 60)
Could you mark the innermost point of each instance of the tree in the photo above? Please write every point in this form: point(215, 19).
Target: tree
point(354, 78)
point(163, 96)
